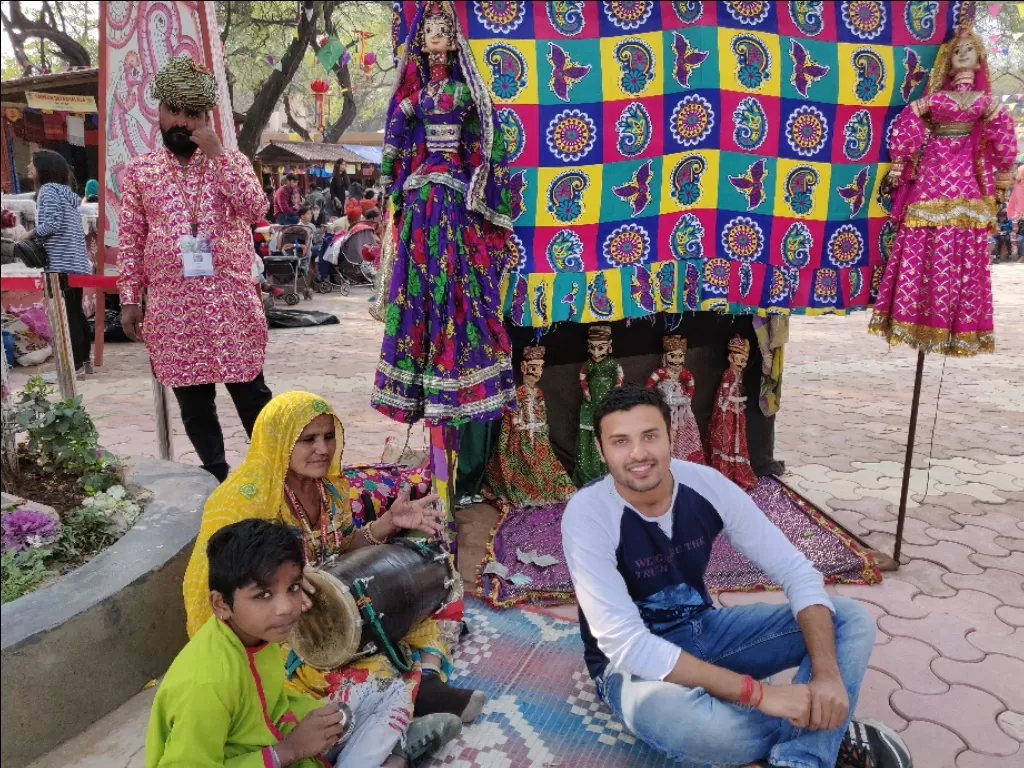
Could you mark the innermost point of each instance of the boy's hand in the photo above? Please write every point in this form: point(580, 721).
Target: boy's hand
point(790, 702)
point(317, 733)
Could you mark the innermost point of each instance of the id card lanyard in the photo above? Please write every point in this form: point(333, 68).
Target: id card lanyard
point(191, 203)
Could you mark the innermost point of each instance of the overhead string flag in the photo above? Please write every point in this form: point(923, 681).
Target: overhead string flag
point(329, 53)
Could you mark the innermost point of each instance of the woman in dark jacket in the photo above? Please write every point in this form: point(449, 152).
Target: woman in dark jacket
point(59, 230)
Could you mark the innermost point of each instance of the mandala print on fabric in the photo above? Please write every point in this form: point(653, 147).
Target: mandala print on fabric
point(886, 240)
point(753, 61)
point(750, 13)
point(566, 16)
point(806, 130)
point(634, 130)
point(500, 16)
point(799, 189)
point(565, 195)
point(517, 185)
point(806, 17)
point(864, 18)
point(826, 286)
point(796, 245)
point(743, 239)
point(686, 178)
point(598, 301)
point(637, 191)
point(519, 299)
point(688, 58)
point(665, 284)
point(628, 14)
point(857, 135)
point(692, 120)
point(806, 71)
point(751, 183)
point(914, 73)
point(508, 70)
point(540, 302)
point(571, 135)
point(565, 252)
point(687, 238)
point(565, 73)
point(920, 18)
point(641, 290)
point(855, 193)
point(627, 245)
point(870, 73)
point(716, 276)
point(750, 124)
point(516, 253)
point(636, 62)
point(512, 129)
point(688, 12)
point(845, 246)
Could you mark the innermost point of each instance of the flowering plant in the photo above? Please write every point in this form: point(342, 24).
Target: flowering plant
point(27, 529)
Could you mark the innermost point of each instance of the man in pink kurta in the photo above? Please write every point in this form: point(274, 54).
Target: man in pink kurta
point(186, 246)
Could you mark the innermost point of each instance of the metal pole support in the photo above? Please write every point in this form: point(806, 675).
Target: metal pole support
point(57, 314)
point(909, 459)
point(164, 441)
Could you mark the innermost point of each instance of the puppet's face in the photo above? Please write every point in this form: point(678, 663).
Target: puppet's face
point(965, 55)
point(675, 358)
point(738, 360)
point(438, 34)
point(599, 350)
point(532, 371)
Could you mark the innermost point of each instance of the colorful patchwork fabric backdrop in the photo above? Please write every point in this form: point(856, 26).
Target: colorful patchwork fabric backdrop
point(673, 156)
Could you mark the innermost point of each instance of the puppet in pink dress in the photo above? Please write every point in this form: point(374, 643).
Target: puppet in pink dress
point(676, 386)
point(728, 432)
point(952, 154)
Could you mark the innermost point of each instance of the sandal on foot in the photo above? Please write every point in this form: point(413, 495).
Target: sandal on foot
point(435, 695)
point(426, 735)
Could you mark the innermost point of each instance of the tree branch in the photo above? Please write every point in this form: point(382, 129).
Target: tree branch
point(293, 123)
point(73, 52)
point(18, 43)
point(228, 8)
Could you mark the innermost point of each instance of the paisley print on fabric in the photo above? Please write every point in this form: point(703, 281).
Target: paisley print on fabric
point(746, 279)
point(856, 282)
point(508, 70)
point(569, 299)
point(826, 286)
point(688, 58)
point(641, 289)
point(855, 193)
point(778, 288)
point(692, 120)
point(806, 17)
point(565, 252)
point(566, 16)
point(516, 253)
point(515, 135)
point(751, 183)
point(634, 130)
point(686, 178)
point(716, 276)
point(870, 73)
point(753, 61)
point(627, 245)
point(913, 74)
point(688, 12)
point(636, 65)
point(797, 244)
point(857, 135)
point(750, 13)
point(499, 16)
point(565, 73)
point(598, 301)
point(743, 239)
point(687, 239)
point(540, 302)
point(886, 239)
point(637, 191)
point(517, 186)
point(750, 124)
point(920, 18)
point(519, 299)
point(665, 285)
point(691, 287)
point(806, 130)
point(806, 71)
point(864, 18)
point(845, 246)
point(571, 135)
point(628, 14)
point(799, 189)
point(565, 195)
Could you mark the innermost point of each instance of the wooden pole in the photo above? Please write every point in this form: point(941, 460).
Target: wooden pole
point(909, 459)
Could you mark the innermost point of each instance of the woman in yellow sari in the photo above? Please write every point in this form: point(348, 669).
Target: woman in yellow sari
point(292, 474)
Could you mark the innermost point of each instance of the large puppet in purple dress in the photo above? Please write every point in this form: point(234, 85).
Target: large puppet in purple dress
point(446, 355)
point(952, 152)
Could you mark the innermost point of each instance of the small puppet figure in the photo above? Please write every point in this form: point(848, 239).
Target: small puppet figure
point(598, 376)
point(675, 383)
point(729, 420)
point(524, 470)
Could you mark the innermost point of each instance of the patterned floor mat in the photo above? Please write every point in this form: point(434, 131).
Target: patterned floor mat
point(542, 709)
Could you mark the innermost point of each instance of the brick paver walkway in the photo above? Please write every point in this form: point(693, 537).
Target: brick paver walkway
point(949, 661)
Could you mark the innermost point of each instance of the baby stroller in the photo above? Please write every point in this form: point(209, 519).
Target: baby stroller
point(288, 261)
point(346, 252)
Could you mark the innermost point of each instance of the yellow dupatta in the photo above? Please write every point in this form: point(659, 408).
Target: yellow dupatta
point(256, 489)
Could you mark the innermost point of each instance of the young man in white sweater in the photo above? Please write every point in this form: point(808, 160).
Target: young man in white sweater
point(681, 675)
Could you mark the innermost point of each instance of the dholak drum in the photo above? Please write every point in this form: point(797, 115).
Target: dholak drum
point(368, 600)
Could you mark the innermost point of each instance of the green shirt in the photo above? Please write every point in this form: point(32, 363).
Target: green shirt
point(222, 704)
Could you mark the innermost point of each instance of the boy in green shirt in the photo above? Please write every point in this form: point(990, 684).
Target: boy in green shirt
point(223, 701)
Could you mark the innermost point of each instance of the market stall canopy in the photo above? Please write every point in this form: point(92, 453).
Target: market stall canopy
point(84, 82)
point(300, 152)
point(369, 154)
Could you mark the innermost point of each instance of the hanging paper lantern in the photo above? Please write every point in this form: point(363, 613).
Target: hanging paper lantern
point(320, 89)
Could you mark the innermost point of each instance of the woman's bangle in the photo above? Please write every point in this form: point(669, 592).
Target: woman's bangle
point(368, 534)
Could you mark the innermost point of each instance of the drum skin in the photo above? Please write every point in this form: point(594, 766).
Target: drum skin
point(405, 582)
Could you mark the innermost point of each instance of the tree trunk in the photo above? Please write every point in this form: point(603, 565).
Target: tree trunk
point(9, 454)
point(293, 123)
point(69, 49)
point(266, 99)
point(344, 78)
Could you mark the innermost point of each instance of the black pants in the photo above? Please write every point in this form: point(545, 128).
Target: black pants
point(198, 406)
point(78, 326)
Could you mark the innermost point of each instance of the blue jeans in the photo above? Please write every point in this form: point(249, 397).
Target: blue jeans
point(758, 640)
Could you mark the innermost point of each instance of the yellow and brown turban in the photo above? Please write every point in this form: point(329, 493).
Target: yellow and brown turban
point(185, 85)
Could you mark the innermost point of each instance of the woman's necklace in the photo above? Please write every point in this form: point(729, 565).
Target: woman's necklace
point(300, 512)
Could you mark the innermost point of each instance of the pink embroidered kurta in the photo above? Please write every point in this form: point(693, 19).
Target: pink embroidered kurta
point(198, 330)
point(728, 432)
point(936, 293)
point(677, 391)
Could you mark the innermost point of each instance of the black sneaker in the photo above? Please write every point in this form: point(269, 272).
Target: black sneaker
point(426, 735)
point(871, 744)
